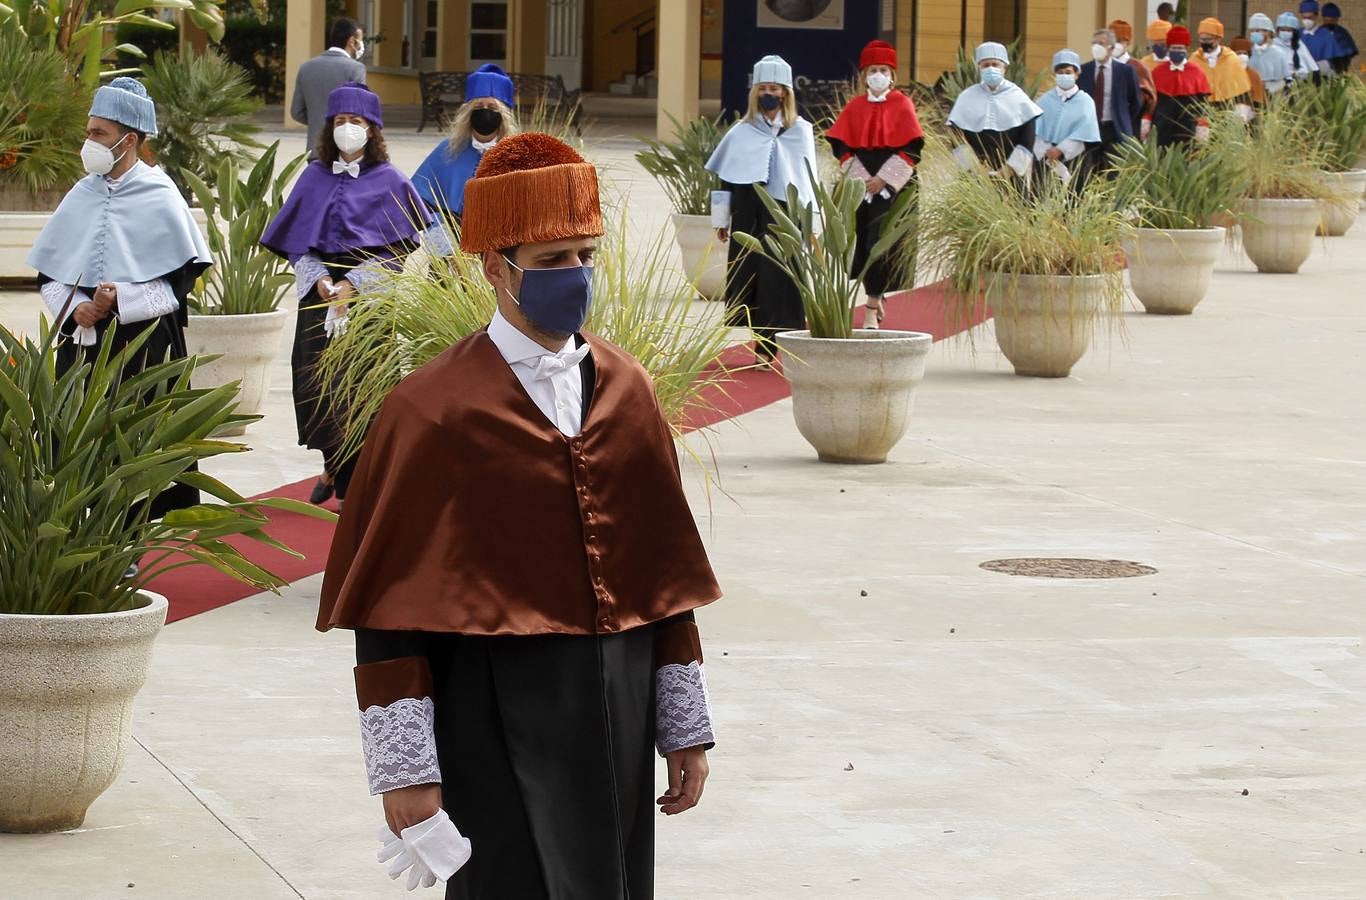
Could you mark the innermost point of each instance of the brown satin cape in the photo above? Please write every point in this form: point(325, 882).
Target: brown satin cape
point(470, 512)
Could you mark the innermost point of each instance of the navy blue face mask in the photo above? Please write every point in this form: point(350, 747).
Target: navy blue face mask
point(1176, 56)
point(770, 102)
point(555, 300)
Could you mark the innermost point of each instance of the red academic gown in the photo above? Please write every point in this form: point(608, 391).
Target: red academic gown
point(883, 139)
point(522, 602)
point(1181, 96)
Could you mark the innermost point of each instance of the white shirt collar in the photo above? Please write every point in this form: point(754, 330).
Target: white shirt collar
point(115, 182)
point(1213, 57)
point(480, 145)
point(882, 99)
point(341, 50)
point(1067, 94)
point(515, 346)
point(776, 124)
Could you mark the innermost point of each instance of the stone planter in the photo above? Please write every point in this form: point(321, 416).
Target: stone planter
point(67, 685)
point(852, 397)
point(246, 346)
point(1340, 213)
point(19, 230)
point(1278, 235)
point(1169, 270)
point(704, 257)
point(1044, 322)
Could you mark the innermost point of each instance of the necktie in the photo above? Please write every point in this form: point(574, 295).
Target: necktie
point(351, 168)
point(1100, 92)
point(558, 362)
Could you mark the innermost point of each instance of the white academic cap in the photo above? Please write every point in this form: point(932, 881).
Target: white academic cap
point(1066, 58)
point(991, 50)
point(773, 69)
point(1260, 20)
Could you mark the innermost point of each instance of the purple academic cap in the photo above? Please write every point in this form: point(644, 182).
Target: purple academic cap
point(355, 99)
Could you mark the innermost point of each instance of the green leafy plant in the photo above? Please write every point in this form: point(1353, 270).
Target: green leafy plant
point(966, 73)
point(245, 277)
point(981, 234)
point(1172, 188)
point(81, 453)
point(640, 304)
point(680, 165)
point(42, 117)
point(76, 29)
point(1334, 113)
point(823, 273)
point(203, 107)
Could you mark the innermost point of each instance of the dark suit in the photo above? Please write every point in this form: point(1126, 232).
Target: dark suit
point(316, 79)
point(1126, 102)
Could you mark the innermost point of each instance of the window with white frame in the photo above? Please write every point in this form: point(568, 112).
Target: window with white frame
point(488, 32)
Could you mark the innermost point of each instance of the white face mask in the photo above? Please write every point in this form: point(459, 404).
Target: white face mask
point(1308, 24)
point(1066, 80)
point(879, 82)
point(349, 138)
point(360, 48)
point(1099, 52)
point(99, 159)
point(1119, 48)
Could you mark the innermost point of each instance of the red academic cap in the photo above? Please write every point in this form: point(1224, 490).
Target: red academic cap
point(1179, 35)
point(877, 53)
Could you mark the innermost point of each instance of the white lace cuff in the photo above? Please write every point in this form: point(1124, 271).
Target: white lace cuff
point(54, 298)
point(896, 171)
point(145, 300)
point(399, 741)
point(720, 209)
point(854, 168)
point(682, 708)
point(1021, 160)
point(1071, 148)
point(437, 239)
point(307, 270)
point(367, 274)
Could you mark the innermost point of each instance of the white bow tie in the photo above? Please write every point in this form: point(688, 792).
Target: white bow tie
point(351, 168)
point(558, 362)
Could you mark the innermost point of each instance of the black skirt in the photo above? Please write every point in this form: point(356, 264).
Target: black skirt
point(547, 762)
point(895, 269)
point(755, 285)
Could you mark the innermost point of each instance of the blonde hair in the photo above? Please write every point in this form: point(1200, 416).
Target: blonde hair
point(459, 130)
point(789, 107)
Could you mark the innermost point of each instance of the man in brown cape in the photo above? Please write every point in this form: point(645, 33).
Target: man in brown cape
point(520, 565)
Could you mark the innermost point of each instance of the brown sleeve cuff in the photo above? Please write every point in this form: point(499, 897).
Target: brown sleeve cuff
point(677, 642)
point(382, 683)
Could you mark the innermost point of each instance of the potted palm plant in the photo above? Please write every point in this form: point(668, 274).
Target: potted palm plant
point(235, 310)
point(1283, 161)
point(680, 168)
point(851, 389)
point(1335, 113)
point(1046, 260)
point(81, 452)
point(1177, 197)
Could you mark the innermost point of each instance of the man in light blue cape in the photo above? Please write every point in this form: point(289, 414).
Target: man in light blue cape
point(122, 250)
point(1068, 126)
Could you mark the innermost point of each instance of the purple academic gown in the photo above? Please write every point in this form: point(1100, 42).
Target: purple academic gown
point(345, 222)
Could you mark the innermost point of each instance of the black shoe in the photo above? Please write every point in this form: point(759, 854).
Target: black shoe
point(322, 492)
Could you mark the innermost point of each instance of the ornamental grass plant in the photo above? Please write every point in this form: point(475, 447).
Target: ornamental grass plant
point(245, 277)
point(1280, 155)
point(822, 267)
point(982, 234)
point(1172, 188)
point(680, 165)
point(81, 453)
point(1334, 113)
point(640, 303)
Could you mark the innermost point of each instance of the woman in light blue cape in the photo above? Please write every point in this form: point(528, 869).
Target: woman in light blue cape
point(768, 150)
point(486, 117)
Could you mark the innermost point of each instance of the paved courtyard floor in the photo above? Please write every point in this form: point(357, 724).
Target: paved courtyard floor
point(893, 720)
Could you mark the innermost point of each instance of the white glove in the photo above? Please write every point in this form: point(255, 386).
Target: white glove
point(1244, 112)
point(335, 325)
point(403, 861)
point(1145, 129)
point(438, 845)
point(1202, 133)
point(963, 155)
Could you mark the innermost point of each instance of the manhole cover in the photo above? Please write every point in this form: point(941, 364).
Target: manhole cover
point(1046, 567)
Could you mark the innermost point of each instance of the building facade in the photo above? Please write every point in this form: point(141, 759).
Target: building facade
point(677, 50)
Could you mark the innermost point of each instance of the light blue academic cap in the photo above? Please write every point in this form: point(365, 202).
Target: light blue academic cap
point(1066, 58)
point(991, 50)
point(124, 100)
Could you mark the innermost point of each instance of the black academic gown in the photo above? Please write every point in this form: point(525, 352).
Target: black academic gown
point(545, 744)
point(993, 148)
point(882, 273)
point(754, 283)
point(167, 341)
point(316, 416)
point(1175, 118)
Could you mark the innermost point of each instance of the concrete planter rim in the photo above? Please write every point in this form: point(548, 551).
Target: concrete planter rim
point(1208, 229)
point(153, 602)
point(202, 317)
point(862, 337)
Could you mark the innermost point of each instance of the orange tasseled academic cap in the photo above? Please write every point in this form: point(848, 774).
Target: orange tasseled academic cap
point(529, 189)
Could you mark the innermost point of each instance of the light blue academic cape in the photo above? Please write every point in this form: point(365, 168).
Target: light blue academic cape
point(1067, 118)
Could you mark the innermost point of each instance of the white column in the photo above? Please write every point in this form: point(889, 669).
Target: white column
point(303, 40)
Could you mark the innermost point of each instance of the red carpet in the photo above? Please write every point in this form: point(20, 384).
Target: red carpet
point(196, 589)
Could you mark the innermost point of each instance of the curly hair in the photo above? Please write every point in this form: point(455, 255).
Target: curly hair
point(376, 151)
